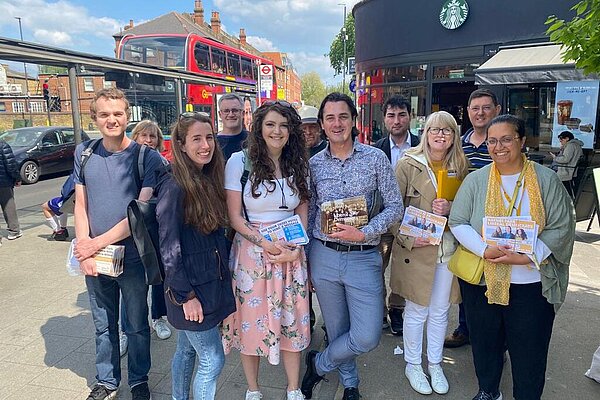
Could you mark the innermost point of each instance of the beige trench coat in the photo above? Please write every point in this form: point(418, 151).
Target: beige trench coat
point(413, 268)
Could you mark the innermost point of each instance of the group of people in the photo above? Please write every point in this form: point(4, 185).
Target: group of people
point(254, 295)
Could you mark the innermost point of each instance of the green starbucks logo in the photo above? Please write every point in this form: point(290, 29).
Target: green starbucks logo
point(454, 13)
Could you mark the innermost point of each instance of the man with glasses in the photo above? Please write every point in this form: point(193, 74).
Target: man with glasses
point(345, 265)
point(233, 135)
point(396, 119)
point(483, 107)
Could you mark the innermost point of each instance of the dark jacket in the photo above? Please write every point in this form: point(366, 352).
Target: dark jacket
point(9, 169)
point(195, 263)
point(384, 144)
point(321, 146)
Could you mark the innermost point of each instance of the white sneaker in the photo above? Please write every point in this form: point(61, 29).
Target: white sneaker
point(417, 379)
point(439, 383)
point(256, 395)
point(123, 343)
point(12, 235)
point(295, 395)
point(161, 328)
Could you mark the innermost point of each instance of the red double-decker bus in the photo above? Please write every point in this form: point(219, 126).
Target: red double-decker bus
point(201, 55)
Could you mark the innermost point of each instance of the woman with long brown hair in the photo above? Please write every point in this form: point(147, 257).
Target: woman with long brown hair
point(270, 278)
point(191, 214)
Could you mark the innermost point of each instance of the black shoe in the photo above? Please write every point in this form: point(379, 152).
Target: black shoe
point(487, 396)
point(396, 321)
point(456, 339)
point(351, 394)
point(140, 392)
point(311, 377)
point(385, 324)
point(100, 392)
point(61, 235)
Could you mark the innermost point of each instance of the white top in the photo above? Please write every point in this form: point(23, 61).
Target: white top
point(521, 274)
point(397, 152)
point(265, 208)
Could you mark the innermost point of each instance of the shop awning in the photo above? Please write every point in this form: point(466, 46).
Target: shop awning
point(532, 64)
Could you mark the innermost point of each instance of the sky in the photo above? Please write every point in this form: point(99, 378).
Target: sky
point(304, 29)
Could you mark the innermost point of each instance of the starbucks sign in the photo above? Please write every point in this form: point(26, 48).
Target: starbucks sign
point(454, 13)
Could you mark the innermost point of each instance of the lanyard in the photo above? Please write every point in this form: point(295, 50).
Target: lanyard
point(511, 201)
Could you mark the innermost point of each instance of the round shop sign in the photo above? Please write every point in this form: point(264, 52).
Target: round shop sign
point(454, 13)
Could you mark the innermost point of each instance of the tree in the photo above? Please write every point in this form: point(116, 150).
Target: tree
point(580, 36)
point(340, 88)
point(313, 89)
point(336, 51)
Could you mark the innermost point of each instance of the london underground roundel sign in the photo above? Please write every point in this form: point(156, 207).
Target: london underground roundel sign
point(266, 69)
point(454, 13)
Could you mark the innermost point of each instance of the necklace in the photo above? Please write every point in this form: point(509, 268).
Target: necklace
point(283, 205)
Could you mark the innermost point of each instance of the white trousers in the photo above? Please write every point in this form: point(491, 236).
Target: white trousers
point(436, 315)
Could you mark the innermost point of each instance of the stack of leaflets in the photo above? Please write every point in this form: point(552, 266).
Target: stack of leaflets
point(290, 230)
point(109, 260)
point(520, 233)
point(351, 211)
point(419, 223)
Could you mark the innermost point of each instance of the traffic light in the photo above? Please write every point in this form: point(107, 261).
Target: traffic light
point(46, 92)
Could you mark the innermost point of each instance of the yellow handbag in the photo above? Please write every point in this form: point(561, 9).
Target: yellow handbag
point(466, 265)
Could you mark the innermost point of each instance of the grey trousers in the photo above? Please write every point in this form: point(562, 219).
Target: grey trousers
point(9, 209)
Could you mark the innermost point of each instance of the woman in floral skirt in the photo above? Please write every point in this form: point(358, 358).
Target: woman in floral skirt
point(269, 278)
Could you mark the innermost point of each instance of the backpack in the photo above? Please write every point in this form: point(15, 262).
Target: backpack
point(68, 190)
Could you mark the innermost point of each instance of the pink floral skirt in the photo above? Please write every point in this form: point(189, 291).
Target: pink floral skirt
point(272, 304)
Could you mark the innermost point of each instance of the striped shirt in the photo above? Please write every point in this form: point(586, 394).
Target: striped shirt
point(478, 156)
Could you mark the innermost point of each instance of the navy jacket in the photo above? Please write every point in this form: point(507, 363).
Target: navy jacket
point(9, 170)
point(195, 263)
point(384, 144)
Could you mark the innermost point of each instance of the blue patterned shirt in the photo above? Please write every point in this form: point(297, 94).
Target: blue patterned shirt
point(367, 169)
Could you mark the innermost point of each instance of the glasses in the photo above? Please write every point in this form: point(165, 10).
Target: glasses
point(506, 141)
point(280, 102)
point(485, 109)
point(193, 114)
point(231, 111)
point(443, 131)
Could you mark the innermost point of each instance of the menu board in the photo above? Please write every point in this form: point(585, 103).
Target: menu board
point(575, 111)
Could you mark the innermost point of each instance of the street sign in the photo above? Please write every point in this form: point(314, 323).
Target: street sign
point(351, 65)
point(266, 77)
point(352, 85)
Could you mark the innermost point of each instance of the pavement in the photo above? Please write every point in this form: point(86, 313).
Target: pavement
point(47, 337)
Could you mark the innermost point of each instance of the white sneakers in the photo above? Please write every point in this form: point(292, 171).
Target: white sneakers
point(295, 395)
point(439, 383)
point(418, 379)
point(254, 395)
point(123, 343)
point(161, 328)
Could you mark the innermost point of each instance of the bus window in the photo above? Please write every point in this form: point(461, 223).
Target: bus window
point(247, 68)
point(133, 53)
point(233, 64)
point(218, 60)
point(202, 57)
point(159, 51)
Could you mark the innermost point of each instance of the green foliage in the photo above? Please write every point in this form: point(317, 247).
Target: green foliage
point(340, 88)
point(580, 36)
point(51, 70)
point(313, 89)
point(336, 51)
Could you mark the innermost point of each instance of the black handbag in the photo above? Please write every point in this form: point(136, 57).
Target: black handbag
point(144, 230)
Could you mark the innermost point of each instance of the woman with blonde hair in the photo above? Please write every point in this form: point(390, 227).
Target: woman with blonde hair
point(148, 132)
point(419, 269)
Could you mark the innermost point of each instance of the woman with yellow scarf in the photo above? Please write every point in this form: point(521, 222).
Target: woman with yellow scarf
point(515, 302)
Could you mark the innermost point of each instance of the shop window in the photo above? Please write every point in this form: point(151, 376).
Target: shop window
point(18, 107)
point(233, 64)
point(218, 61)
point(405, 74)
point(88, 84)
point(454, 71)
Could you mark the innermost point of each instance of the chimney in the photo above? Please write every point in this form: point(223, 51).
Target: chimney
point(215, 23)
point(130, 25)
point(198, 13)
point(243, 37)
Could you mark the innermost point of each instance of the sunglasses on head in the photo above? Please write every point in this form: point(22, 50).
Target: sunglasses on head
point(280, 102)
point(192, 114)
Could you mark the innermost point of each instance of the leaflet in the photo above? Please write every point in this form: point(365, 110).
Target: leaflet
point(350, 211)
point(290, 229)
point(420, 223)
point(518, 232)
point(109, 260)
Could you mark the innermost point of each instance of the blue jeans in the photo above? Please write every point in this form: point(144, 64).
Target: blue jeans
point(104, 302)
point(209, 349)
point(158, 308)
point(349, 287)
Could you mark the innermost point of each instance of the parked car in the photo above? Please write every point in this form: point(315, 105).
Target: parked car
point(42, 150)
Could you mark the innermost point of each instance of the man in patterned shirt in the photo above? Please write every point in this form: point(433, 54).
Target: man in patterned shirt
point(483, 107)
point(346, 265)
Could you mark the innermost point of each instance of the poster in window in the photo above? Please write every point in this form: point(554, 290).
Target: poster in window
point(575, 111)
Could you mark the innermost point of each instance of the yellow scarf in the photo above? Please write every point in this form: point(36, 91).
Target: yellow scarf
point(497, 276)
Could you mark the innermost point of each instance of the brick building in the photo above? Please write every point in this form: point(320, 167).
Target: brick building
point(289, 85)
